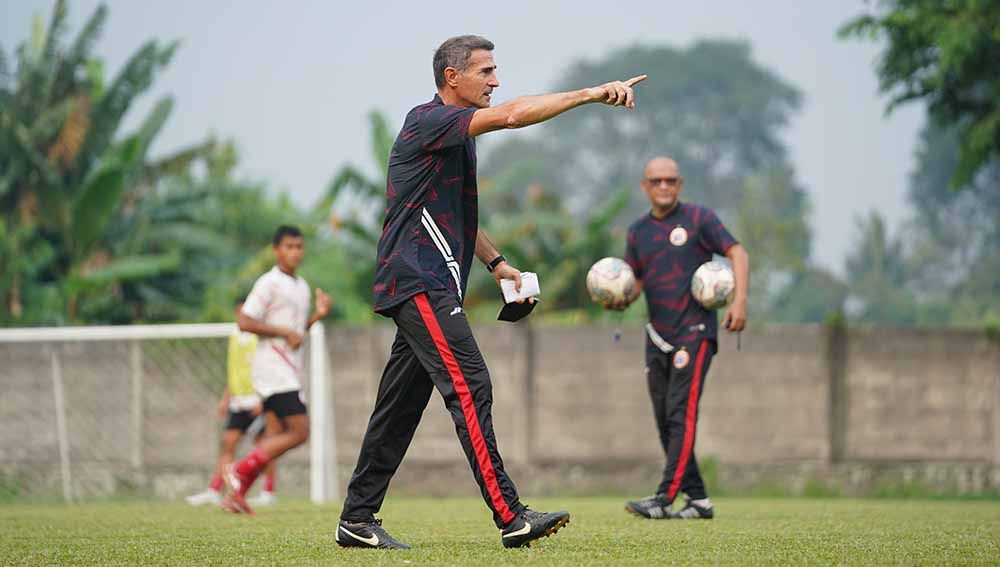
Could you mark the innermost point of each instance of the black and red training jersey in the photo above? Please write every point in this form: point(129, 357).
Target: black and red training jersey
point(432, 211)
point(664, 254)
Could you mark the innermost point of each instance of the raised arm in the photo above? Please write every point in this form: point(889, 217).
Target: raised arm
point(528, 110)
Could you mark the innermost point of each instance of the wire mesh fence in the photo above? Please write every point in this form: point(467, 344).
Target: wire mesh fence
point(115, 411)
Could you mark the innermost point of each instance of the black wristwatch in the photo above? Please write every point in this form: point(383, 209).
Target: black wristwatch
point(495, 262)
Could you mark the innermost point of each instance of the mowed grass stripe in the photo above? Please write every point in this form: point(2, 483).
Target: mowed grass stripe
point(753, 531)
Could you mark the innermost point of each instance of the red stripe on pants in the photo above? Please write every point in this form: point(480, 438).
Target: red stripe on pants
point(468, 408)
point(690, 418)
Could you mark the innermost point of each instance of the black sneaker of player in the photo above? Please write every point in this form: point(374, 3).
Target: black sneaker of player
point(366, 534)
point(654, 507)
point(530, 525)
point(692, 511)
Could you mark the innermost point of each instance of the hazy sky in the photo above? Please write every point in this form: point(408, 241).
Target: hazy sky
point(292, 82)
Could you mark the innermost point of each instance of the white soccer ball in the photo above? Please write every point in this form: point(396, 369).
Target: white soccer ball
point(713, 285)
point(610, 280)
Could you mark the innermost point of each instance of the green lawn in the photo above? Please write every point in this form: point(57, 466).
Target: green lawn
point(752, 531)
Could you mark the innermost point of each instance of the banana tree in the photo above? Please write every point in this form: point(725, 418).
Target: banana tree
point(350, 214)
point(67, 179)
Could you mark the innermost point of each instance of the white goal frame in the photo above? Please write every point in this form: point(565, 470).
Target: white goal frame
point(323, 485)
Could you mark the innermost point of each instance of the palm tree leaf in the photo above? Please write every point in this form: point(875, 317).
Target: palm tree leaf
point(608, 211)
point(24, 144)
point(80, 50)
point(96, 204)
point(186, 235)
point(9, 177)
point(5, 76)
point(259, 263)
point(129, 268)
point(48, 62)
point(348, 176)
point(36, 42)
point(134, 79)
point(47, 125)
point(153, 123)
point(67, 144)
point(360, 231)
point(382, 139)
point(177, 161)
point(56, 30)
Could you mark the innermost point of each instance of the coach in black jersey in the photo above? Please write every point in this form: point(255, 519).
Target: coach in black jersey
point(430, 235)
point(664, 248)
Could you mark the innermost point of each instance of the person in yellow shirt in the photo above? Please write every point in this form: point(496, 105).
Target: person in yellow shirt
point(240, 406)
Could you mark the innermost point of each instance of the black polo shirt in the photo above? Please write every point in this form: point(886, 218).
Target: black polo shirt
point(432, 210)
point(664, 254)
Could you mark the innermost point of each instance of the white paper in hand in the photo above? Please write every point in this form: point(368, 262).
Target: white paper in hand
point(529, 288)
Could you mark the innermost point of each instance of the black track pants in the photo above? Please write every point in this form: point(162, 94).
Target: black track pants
point(676, 382)
point(434, 347)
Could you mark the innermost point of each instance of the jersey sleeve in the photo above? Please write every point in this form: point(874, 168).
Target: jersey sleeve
point(443, 127)
point(714, 235)
point(259, 300)
point(632, 254)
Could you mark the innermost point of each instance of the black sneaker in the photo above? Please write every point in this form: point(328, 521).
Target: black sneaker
point(530, 525)
point(366, 534)
point(695, 511)
point(654, 507)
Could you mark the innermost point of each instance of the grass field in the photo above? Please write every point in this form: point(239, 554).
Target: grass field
point(751, 531)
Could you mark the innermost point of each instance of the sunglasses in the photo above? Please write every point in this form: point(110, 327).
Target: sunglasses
point(670, 181)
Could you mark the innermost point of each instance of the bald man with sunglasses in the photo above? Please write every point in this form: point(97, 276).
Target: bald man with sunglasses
point(664, 248)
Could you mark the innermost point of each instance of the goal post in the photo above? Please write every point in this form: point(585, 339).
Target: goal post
point(85, 404)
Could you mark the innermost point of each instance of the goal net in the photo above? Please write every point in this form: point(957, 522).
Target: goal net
point(111, 411)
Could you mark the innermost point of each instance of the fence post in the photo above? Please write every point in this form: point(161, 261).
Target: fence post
point(323, 482)
point(837, 393)
point(136, 405)
point(528, 397)
point(995, 347)
point(61, 431)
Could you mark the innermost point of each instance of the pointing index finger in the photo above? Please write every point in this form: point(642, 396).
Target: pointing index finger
point(635, 80)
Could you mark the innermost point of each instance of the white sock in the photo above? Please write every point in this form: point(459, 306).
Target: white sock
point(703, 502)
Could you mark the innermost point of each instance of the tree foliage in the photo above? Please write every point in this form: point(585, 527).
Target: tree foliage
point(945, 54)
point(940, 268)
point(76, 193)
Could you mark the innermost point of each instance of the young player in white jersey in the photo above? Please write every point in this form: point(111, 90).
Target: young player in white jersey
point(241, 408)
point(277, 311)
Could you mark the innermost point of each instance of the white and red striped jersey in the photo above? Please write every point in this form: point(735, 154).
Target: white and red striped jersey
point(279, 300)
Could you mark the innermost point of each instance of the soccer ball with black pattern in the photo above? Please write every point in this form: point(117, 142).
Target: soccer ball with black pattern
point(713, 285)
point(610, 280)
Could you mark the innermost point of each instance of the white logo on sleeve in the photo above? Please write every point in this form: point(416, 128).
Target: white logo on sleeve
point(455, 311)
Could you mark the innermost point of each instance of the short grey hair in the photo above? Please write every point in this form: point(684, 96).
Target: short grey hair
point(455, 52)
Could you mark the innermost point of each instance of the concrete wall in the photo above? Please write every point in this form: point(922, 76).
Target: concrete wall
point(850, 409)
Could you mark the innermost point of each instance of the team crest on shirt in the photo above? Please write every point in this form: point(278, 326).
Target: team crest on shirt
point(678, 236)
point(681, 359)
